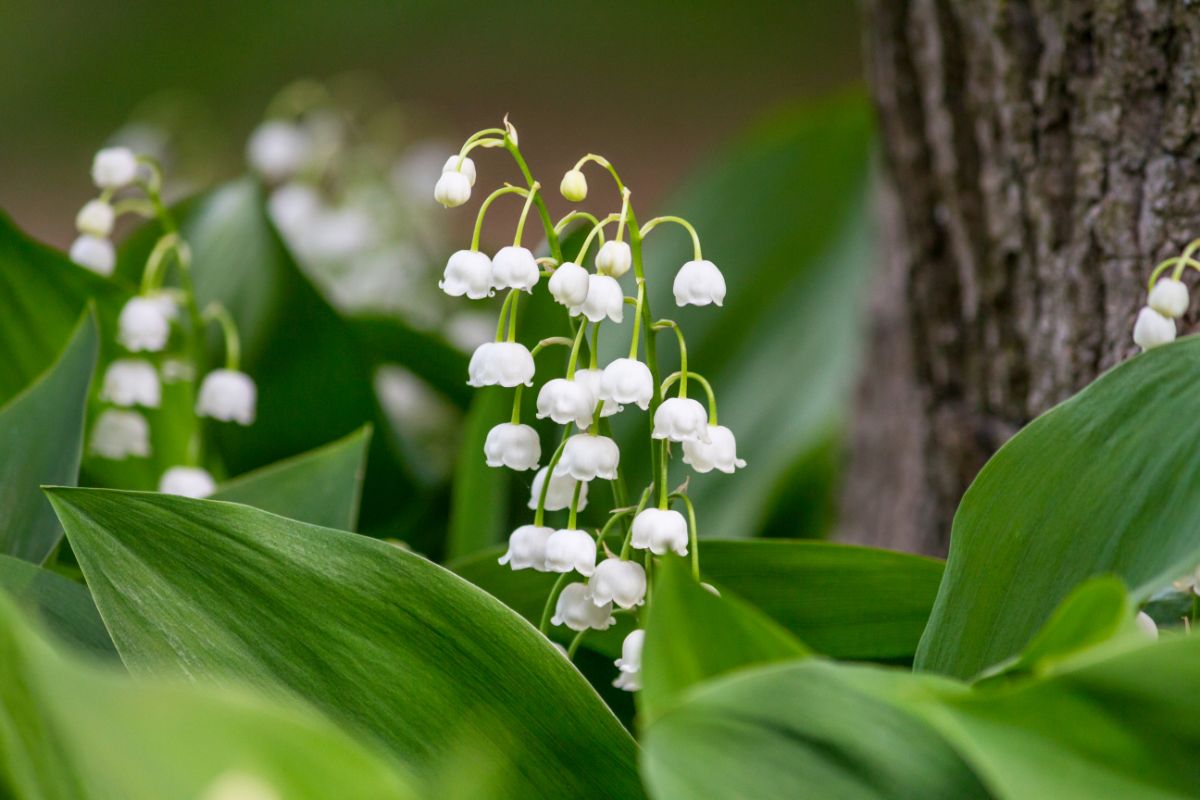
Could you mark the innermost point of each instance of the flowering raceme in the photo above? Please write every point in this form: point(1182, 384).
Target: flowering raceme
point(616, 580)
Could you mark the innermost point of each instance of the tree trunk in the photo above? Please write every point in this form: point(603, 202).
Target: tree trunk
point(1038, 159)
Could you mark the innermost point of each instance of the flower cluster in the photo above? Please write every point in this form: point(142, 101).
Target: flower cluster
point(158, 329)
point(582, 401)
point(1167, 301)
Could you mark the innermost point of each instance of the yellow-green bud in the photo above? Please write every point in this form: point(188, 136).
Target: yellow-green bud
point(574, 186)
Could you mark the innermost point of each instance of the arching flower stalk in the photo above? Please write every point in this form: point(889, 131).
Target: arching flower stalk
point(596, 583)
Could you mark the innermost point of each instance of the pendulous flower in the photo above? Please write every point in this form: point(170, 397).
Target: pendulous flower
point(227, 395)
point(619, 582)
point(587, 457)
point(627, 380)
point(604, 299)
point(660, 530)
point(96, 218)
point(92, 252)
point(114, 167)
point(527, 548)
point(514, 268)
point(558, 496)
point(566, 401)
point(570, 549)
point(506, 364)
point(699, 283)
point(569, 285)
point(120, 434)
point(131, 382)
point(1169, 297)
point(574, 186)
point(591, 378)
point(512, 445)
point(719, 452)
point(278, 149)
point(1152, 329)
point(452, 189)
point(576, 610)
point(145, 323)
point(467, 168)
point(680, 419)
point(614, 258)
point(187, 482)
point(468, 272)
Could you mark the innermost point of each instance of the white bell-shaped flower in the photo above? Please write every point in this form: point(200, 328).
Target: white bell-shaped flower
point(96, 218)
point(1147, 625)
point(452, 189)
point(574, 186)
point(296, 209)
point(558, 496)
point(628, 682)
point(505, 364)
point(576, 610)
point(512, 445)
point(627, 380)
point(114, 167)
point(604, 299)
point(1169, 297)
point(94, 253)
point(614, 258)
point(227, 395)
point(719, 452)
point(618, 581)
point(467, 168)
point(660, 530)
point(681, 419)
point(592, 379)
point(570, 549)
point(120, 434)
point(527, 548)
point(587, 457)
point(468, 272)
point(569, 285)
point(699, 283)
point(1152, 329)
point(278, 149)
point(514, 268)
point(565, 402)
point(187, 482)
point(631, 652)
point(145, 323)
point(131, 382)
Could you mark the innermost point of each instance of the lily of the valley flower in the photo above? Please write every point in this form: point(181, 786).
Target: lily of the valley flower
point(614, 258)
point(514, 268)
point(187, 482)
point(468, 272)
point(574, 186)
point(562, 489)
point(587, 457)
point(619, 582)
point(452, 189)
point(527, 548)
point(681, 419)
point(1146, 625)
point(660, 531)
point(131, 382)
point(278, 149)
point(566, 401)
point(119, 434)
point(1169, 297)
point(604, 299)
point(114, 168)
point(1152, 329)
point(145, 323)
point(512, 445)
point(719, 452)
point(570, 549)
point(227, 395)
point(627, 380)
point(592, 378)
point(94, 253)
point(96, 218)
point(630, 662)
point(569, 285)
point(501, 364)
point(576, 610)
point(468, 167)
point(699, 283)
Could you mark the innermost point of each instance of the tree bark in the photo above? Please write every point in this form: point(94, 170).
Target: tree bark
point(1038, 159)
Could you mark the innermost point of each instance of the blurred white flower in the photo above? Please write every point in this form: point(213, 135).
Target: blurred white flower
point(336, 234)
point(614, 258)
point(569, 285)
point(512, 445)
point(227, 395)
point(628, 681)
point(620, 582)
point(467, 168)
point(1169, 297)
point(527, 548)
point(114, 167)
point(1152, 329)
point(94, 253)
point(293, 207)
point(570, 549)
point(587, 457)
point(574, 186)
point(96, 218)
point(576, 610)
point(120, 434)
point(699, 283)
point(604, 299)
point(506, 364)
point(558, 496)
point(591, 378)
point(468, 272)
point(659, 531)
point(1146, 625)
point(681, 419)
point(514, 268)
point(145, 323)
point(187, 482)
point(467, 330)
point(278, 149)
point(235, 785)
point(131, 382)
point(566, 401)
point(631, 652)
point(627, 380)
point(720, 452)
point(452, 189)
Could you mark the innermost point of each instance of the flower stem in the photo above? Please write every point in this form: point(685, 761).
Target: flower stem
point(708, 390)
point(683, 370)
point(575, 643)
point(548, 609)
point(693, 535)
point(215, 312)
point(551, 235)
point(533, 192)
point(487, 202)
point(539, 516)
point(654, 223)
point(575, 349)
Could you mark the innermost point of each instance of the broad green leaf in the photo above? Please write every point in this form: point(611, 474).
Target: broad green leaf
point(844, 601)
point(321, 487)
point(692, 635)
point(391, 340)
point(63, 606)
point(1107, 482)
point(478, 506)
point(71, 730)
point(41, 442)
point(383, 640)
point(799, 729)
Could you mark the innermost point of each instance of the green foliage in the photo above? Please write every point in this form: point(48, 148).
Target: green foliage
point(62, 606)
point(479, 505)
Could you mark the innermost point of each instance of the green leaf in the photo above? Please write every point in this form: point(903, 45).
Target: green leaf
point(321, 487)
point(479, 502)
point(41, 442)
point(390, 340)
point(383, 640)
point(693, 635)
point(63, 606)
point(72, 730)
point(1107, 482)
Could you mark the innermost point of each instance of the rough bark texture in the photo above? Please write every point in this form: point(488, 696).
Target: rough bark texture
point(1039, 159)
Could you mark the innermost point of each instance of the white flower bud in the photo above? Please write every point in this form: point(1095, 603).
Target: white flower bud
point(631, 652)
point(569, 549)
point(569, 285)
point(699, 283)
point(94, 253)
point(565, 402)
point(629, 682)
point(719, 452)
point(1169, 297)
point(512, 445)
point(558, 496)
point(576, 610)
point(515, 268)
point(145, 323)
point(96, 218)
point(587, 457)
point(119, 434)
point(467, 168)
point(468, 272)
point(618, 581)
point(505, 364)
point(659, 531)
point(131, 382)
point(627, 380)
point(573, 186)
point(592, 378)
point(1152, 329)
point(187, 482)
point(227, 395)
point(527, 548)
point(604, 299)
point(114, 167)
point(278, 149)
point(452, 189)
point(295, 208)
point(614, 258)
point(681, 419)
point(1146, 625)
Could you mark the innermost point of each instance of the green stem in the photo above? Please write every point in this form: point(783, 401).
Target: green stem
point(708, 390)
point(594, 350)
point(533, 192)
point(574, 215)
point(628, 543)
point(575, 643)
point(664, 463)
point(551, 234)
point(575, 349)
point(574, 512)
point(683, 370)
point(539, 516)
point(693, 536)
point(654, 223)
point(215, 312)
point(516, 412)
point(487, 202)
point(508, 300)
point(637, 328)
point(548, 609)
point(512, 315)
